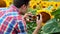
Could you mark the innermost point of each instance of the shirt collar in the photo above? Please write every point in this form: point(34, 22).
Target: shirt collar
point(14, 8)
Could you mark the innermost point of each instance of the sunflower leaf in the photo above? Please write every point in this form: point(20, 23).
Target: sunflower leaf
point(33, 11)
point(52, 26)
point(56, 12)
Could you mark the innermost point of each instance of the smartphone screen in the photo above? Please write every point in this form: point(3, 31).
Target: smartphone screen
point(38, 17)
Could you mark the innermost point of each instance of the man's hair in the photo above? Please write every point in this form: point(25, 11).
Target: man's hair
point(19, 3)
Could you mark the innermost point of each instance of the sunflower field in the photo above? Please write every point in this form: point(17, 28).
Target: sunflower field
point(50, 10)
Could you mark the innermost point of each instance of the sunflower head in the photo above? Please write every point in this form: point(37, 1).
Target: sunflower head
point(2, 3)
point(56, 5)
point(46, 15)
point(59, 3)
point(33, 4)
point(8, 3)
point(44, 4)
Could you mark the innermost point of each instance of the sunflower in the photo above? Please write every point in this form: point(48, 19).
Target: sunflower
point(2, 3)
point(55, 6)
point(51, 3)
point(44, 4)
point(59, 3)
point(33, 4)
point(8, 2)
point(38, 1)
point(46, 15)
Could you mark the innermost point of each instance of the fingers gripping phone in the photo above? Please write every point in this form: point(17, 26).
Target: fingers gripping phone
point(38, 17)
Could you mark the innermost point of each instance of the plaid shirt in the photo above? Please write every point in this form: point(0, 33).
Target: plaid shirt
point(11, 22)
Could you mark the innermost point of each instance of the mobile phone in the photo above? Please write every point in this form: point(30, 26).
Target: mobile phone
point(38, 17)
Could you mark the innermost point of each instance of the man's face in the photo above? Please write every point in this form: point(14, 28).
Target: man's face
point(24, 9)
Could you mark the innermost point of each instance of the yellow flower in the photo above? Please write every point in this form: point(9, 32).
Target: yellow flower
point(46, 11)
point(33, 4)
point(44, 4)
point(51, 3)
point(8, 2)
point(55, 6)
point(59, 3)
point(39, 11)
point(38, 1)
point(2, 3)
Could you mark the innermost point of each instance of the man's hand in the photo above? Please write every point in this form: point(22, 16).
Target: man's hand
point(39, 24)
point(26, 16)
point(39, 21)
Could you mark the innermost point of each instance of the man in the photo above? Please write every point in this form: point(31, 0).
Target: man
point(11, 20)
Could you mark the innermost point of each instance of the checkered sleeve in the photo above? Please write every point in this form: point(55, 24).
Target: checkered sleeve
point(21, 26)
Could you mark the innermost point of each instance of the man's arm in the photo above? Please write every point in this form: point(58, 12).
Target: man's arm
point(37, 29)
point(39, 24)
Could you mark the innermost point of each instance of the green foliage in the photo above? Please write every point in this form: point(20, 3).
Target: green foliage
point(33, 11)
point(31, 26)
point(56, 12)
point(51, 27)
